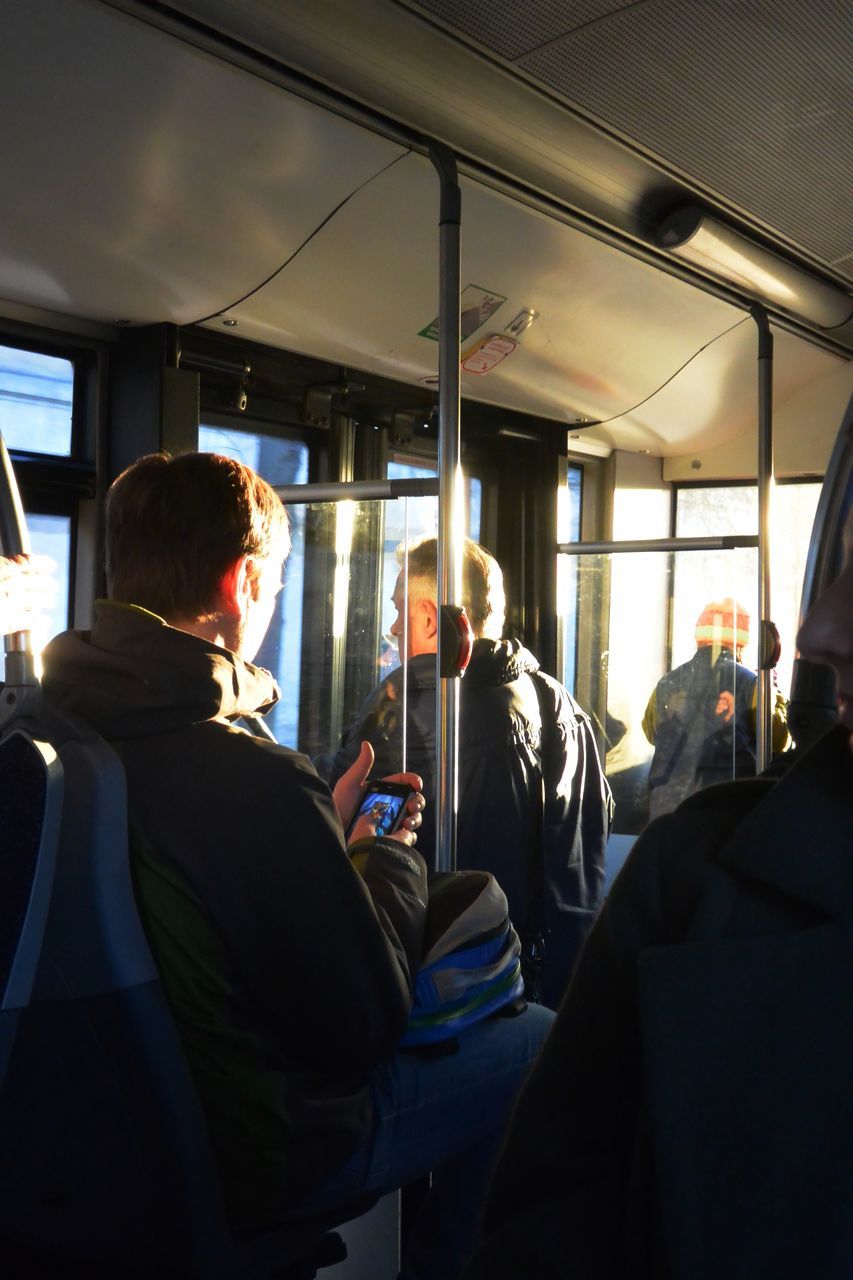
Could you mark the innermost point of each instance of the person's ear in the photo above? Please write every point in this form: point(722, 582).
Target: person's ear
point(430, 618)
point(235, 586)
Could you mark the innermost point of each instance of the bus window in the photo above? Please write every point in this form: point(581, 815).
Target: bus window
point(666, 727)
point(280, 461)
point(36, 399)
point(50, 535)
point(36, 394)
point(705, 510)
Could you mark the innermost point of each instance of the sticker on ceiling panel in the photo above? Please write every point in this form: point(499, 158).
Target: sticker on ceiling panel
point(476, 306)
point(484, 355)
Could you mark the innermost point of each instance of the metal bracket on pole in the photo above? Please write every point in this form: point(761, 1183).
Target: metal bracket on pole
point(764, 712)
point(449, 574)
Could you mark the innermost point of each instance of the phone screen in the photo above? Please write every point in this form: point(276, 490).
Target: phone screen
point(383, 808)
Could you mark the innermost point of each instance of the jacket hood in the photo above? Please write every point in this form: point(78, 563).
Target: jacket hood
point(493, 662)
point(134, 675)
point(499, 662)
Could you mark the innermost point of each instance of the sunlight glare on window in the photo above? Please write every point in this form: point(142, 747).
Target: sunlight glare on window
point(569, 495)
point(640, 513)
point(344, 525)
point(717, 510)
point(50, 535)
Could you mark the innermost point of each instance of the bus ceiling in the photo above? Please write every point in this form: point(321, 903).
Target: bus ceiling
point(175, 164)
point(620, 111)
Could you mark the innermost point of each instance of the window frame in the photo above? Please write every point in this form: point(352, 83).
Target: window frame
point(60, 484)
point(83, 357)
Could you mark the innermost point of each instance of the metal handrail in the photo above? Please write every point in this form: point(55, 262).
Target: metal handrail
point(729, 542)
point(357, 491)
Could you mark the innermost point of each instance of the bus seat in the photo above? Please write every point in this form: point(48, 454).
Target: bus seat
point(30, 805)
point(104, 1156)
point(31, 789)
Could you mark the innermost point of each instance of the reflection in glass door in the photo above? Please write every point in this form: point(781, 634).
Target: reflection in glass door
point(405, 521)
point(671, 684)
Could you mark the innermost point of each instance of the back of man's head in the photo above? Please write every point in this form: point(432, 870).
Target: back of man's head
point(176, 525)
point(482, 583)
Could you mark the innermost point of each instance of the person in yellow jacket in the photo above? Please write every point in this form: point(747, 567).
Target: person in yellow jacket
point(701, 717)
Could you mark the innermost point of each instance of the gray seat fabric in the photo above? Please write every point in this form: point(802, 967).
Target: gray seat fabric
point(104, 1157)
point(30, 804)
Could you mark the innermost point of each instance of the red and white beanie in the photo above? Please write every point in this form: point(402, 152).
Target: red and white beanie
point(723, 623)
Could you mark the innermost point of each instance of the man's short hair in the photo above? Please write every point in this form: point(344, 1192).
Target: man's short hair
point(482, 583)
point(175, 525)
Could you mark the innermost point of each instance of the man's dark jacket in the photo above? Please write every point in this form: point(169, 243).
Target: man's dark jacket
point(691, 1116)
point(521, 737)
point(289, 971)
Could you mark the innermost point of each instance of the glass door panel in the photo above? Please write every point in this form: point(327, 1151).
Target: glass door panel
point(666, 654)
point(349, 568)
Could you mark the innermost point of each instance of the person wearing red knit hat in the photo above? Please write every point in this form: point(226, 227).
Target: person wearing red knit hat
point(724, 624)
point(701, 717)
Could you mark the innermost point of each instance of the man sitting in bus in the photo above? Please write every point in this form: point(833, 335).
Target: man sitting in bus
point(287, 958)
point(534, 805)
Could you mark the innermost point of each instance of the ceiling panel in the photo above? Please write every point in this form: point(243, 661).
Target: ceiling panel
point(611, 332)
point(751, 100)
point(150, 181)
point(713, 400)
point(514, 34)
point(610, 327)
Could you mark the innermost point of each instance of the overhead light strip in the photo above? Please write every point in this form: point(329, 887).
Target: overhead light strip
point(694, 236)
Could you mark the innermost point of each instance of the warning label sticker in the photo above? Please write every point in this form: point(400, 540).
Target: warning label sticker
point(476, 304)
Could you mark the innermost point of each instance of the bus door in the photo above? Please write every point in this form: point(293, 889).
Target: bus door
point(661, 644)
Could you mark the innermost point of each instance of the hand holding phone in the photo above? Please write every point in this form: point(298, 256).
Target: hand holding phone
point(383, 805)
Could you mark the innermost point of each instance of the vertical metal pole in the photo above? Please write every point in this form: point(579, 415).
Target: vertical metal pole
point(449, 489)
point(764, 714)
point(14, 540)
point(404, 656)
point(342, 468)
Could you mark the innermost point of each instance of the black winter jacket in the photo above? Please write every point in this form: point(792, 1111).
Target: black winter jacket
point(289, 972)
point(691, 1116)
point(549, 861)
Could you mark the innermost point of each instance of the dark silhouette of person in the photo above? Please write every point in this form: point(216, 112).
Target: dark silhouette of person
point(701, 716)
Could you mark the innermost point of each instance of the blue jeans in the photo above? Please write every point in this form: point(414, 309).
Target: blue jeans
point(446, 1116)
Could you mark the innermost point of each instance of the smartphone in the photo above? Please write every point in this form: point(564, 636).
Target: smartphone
point(385, 804)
